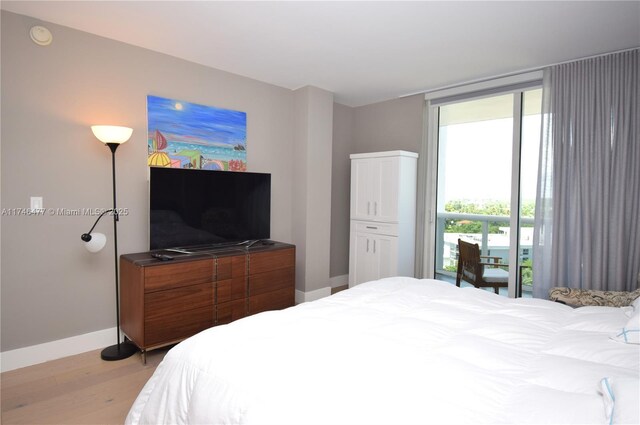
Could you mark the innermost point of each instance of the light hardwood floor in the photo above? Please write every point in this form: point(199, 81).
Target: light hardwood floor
point(81, 389)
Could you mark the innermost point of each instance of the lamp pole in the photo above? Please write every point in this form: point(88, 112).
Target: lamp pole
point(125, 349)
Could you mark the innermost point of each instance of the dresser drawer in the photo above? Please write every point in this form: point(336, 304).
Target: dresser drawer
point(231, 289)
point(274, 300)
point(265, 261)
point(167, 276)
point(271, 281)
point(230, 311)
point(180, 325)
point(165, 304)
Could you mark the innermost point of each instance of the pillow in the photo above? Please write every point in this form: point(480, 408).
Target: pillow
point(630, 334)
point(620, 397)
point(581, 297)
point(636, 304)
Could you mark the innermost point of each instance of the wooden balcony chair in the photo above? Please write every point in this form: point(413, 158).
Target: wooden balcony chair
point(481, 274)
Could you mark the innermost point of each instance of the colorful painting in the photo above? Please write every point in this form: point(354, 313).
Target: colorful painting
point(188, 135)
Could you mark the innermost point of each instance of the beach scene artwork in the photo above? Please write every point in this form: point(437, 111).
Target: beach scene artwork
point(188, 135)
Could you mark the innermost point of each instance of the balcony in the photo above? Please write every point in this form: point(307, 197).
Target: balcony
point(494, 244)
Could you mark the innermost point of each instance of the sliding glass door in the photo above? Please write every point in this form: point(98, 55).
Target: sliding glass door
point(486, 183)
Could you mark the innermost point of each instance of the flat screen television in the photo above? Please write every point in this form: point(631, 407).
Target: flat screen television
point(194, 209)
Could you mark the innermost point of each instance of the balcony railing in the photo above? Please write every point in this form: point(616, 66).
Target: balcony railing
point(483, 237)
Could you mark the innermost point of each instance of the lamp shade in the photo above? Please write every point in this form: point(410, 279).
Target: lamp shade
point(111, 133)
point(96, 243)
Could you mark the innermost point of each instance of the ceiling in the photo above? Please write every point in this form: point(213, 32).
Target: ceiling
point(363, 52)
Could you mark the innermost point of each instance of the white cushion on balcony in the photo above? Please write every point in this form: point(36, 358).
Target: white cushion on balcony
point(495, 275)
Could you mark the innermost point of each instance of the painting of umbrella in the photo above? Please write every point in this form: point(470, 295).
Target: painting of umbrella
point(188, 135)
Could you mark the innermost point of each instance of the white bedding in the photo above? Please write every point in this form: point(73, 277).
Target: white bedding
point(396, 351)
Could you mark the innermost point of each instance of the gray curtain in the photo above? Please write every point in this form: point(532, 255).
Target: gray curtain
point(587, 227)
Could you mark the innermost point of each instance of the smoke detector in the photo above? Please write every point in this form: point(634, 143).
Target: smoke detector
point(40, 35)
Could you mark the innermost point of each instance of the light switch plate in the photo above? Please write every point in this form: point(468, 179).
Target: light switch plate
point(36, 203)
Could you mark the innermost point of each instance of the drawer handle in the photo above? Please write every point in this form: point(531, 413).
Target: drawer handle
point(371, 227)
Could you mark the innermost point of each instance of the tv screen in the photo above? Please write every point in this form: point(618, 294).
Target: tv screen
point(190, 208)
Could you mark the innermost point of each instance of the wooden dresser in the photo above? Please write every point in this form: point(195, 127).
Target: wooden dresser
point(164, 302)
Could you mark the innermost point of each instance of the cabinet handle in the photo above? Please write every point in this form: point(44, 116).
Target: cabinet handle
point(367, 244)
point(374, 246)
point(368, 207)
point(375, 208)
point(372, 227)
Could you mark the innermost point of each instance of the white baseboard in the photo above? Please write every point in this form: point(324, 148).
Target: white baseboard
point(27, 356)
point(336, 281)
point(341, 280)
point(303, 297)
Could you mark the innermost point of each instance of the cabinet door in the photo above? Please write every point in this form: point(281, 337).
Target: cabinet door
point(361, 188)
point(385, 256)
point(372, 257)
point(374, 189)
point(362, 262)
point(386, 174)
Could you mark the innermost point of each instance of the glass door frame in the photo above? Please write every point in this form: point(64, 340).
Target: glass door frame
point(429, 153)
point(514, 222)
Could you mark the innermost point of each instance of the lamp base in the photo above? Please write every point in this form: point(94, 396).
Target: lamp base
point(119, 352)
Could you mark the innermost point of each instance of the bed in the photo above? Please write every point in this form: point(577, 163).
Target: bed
point(404, 351)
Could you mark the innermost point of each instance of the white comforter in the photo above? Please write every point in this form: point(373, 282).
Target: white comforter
point(395, 351)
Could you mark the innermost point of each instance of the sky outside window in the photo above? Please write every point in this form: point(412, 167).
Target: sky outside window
point(475, 143)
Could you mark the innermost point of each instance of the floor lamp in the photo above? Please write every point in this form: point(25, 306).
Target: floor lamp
point(112, 136)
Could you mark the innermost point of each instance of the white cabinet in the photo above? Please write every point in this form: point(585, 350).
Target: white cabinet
point(383, 208)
